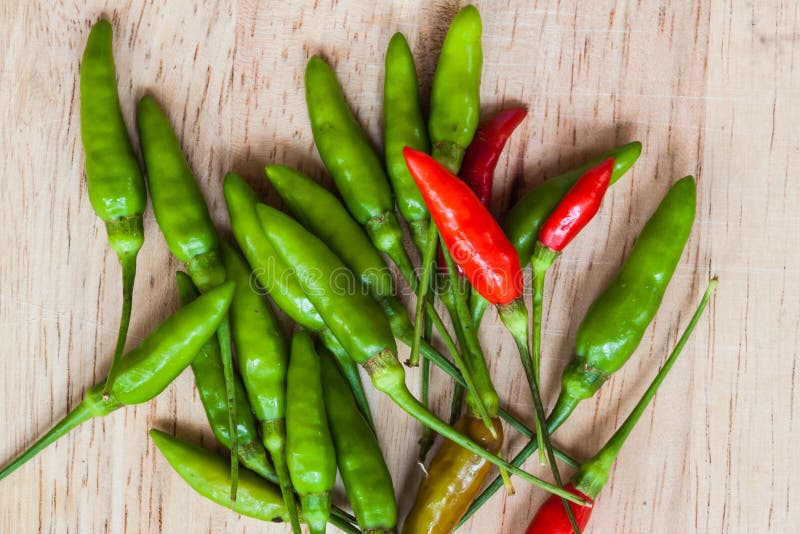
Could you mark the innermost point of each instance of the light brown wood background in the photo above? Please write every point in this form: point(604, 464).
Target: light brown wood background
point(711, 89)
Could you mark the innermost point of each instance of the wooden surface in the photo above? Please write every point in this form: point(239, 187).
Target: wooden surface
point(711, 90)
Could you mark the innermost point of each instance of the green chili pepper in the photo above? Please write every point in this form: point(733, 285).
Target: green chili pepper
point(404, 126)
point(309, 447)
point(146, 370)
point(455, 94)
point(323, 215)
point(208, 475)
point(210, 381)
point(618, 318)
point(262, 354)
point(115, 183)
point(358, 455)
point(183, 217)
point(275, 277)
point(358, 323)
point(353, 163)
point(523, 222)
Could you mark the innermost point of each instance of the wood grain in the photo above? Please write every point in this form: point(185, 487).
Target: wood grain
point(710, 89)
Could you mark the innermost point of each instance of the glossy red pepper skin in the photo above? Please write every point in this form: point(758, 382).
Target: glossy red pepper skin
point(552, 518)
point(473, 237)
point(481, 157)
point(577, 207)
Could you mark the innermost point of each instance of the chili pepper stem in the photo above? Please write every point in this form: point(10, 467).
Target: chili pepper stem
point(388, 376)
point(427, 437)
point(128, 263)
point(224, 334)
point(316, 511)
point(541, 261)
point(92, 405)
point(274, 439)
point(432, 239)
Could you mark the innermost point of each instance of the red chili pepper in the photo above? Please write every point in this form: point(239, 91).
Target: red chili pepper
point(552, 517)
point(577, 207)
point(481, 157)
point(473, 237)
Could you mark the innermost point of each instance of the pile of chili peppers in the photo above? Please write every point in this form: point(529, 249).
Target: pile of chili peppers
point(292, 409)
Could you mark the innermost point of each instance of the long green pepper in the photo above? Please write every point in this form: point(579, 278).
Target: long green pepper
point(209, 378)
point(310, 452)
point(404, 126)
point(357, 321)
point(113, 177)
point(617, 320)
point(262, 354)
point(183, 217)
point(146, 370)
point(366, 478)
point(276, 278)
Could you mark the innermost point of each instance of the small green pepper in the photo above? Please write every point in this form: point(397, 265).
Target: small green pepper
point(404, 126)
point(146, 370)
point(209, 378)
point(182, 216)
point(358, 455)
point(275, 277)
point(455, 94)
point(263, 354)
point(354, 165)
point(309, 448)
point(115, 182)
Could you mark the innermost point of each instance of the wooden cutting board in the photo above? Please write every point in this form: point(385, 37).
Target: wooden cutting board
point(711, 90)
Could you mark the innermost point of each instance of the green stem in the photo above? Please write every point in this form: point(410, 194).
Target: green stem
point(388, 376)
point(455, 403)
point(594, 473)
point(487, 395)
point(419, 314)
point(128, 264)
point(515, 317)
point(427, 437)
point(93, 405)
point(537, 292)
point(274, 439)
point(342, 524)
point(224, 335)
point(349, 369)
point(448, 368)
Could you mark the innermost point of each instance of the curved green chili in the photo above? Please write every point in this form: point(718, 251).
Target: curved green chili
point(523, 222)
point(358, 455)
point(309, 447)
point(146, 370)
point(275, 277)
point(353, 163)
point(210, 381)
point(455, 93)
point(208, 475)
point(262, 354)
point(113, 177)
point(182, 216)
point(359, 324)
point(404, 126)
